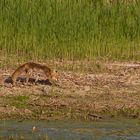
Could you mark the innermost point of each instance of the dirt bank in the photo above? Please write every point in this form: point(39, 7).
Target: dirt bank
point(97, 90)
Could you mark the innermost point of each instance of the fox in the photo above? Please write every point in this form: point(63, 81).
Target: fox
point(29, 67)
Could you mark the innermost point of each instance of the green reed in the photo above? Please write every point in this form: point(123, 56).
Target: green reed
point(70, 29)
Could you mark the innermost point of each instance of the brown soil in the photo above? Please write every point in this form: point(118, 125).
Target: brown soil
point(97, 90)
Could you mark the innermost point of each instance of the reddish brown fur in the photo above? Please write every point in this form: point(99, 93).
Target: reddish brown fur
point(29, 67)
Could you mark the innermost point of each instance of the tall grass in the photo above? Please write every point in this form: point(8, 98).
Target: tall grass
point(69, 29)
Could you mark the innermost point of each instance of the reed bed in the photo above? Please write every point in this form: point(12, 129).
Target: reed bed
point(70, 29)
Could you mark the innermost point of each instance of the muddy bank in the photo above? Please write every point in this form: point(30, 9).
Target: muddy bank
point(94, 91)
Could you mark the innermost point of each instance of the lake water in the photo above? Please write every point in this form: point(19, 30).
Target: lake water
point(115, 129)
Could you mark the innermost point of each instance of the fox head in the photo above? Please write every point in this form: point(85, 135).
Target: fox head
point(54, 75)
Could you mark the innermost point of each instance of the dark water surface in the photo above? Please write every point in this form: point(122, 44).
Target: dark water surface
point(114, 129)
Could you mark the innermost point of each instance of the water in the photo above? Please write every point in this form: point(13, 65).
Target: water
point(120, 129)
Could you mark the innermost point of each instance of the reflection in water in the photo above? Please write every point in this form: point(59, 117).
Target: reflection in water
point(55, 130)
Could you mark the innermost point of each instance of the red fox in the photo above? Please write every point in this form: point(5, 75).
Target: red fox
point(28, 69)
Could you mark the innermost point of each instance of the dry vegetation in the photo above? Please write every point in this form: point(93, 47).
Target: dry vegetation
point(88, 92)
point(71, 30)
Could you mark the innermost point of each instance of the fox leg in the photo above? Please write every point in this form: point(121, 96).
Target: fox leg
point(28, 74)
point(14, 78)
point(49, 77)
point(36, 79)
point(14, 81)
